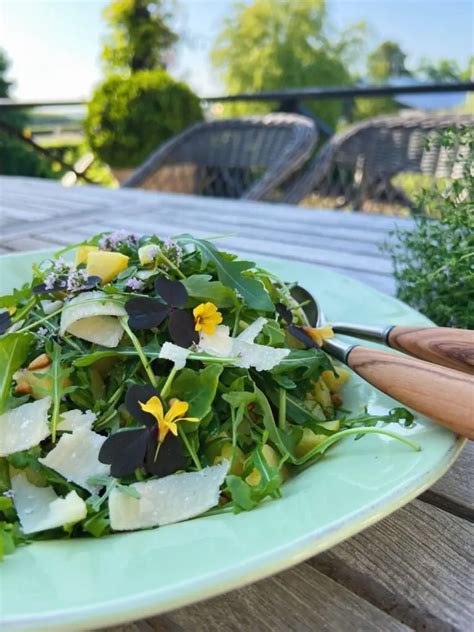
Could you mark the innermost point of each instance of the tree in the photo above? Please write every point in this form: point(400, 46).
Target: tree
point(140, 37)
point(387, 60)
point(443, 70)
point(15, 157)
point(277, 44)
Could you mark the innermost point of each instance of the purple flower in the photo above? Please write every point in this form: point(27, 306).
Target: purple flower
point(8, 494)
point(50, 281)
point(172, 251)
point(134, 284)
point(118, 239)
point(76, 280)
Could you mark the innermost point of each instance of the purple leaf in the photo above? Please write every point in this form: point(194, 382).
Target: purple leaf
point(125, 451)
point(172, 292)
point(170, 457)
point(141, 393)
point(284, 313)
point(91, 282)
point(181, 326)
point(145, 313)
point(5, 321)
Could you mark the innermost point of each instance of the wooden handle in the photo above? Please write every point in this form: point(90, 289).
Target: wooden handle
point(442, 394)
point(450, 347)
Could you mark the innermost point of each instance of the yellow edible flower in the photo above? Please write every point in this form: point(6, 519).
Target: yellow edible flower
point(206, 318)
point(167, 423)
point(319, 334)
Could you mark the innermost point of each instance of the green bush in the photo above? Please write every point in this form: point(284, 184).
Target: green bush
point(17, 159)
point(129, 117)
point(434, 262)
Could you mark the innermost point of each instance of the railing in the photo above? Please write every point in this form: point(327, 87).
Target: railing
point(290, 100)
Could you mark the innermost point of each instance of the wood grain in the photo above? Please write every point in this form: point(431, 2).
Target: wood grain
point(339, 241)
point(442, 394)
point(415, 565)
point(454, 492)
point(301, 599)
point(453, 348)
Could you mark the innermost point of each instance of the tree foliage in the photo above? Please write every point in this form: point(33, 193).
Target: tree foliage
point(140, 37)
point(15, 157)
point(387, 60)
point(128, 117)
point(443, 70)
point(277, 44)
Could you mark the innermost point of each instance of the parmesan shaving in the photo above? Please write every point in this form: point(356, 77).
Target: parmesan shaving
point(24, 427)
point(167, 500)
point(39, 508)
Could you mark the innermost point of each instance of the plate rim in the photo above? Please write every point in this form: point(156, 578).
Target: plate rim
point(154, 602)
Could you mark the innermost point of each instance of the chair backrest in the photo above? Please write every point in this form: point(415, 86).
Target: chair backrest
point(236, 158)
point(369, 153)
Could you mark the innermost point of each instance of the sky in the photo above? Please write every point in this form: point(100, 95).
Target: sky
point(54, 45)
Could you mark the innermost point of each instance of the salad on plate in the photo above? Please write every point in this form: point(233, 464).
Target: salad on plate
point(145, 381)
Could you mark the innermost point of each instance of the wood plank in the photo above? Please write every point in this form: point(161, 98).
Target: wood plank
point(276, 232)
point(454, 492)
point(415, 565)
point(300, 599)
point(283, 248)
point(175, 201)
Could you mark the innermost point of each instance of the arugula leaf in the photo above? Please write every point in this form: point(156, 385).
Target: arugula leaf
point(58, 385)
point(13, 353)
point(10, 538)
point(202, 287)
point(275, 334)
point(303, 364)
point(241, 493)
point(12, 300)
point(4, 475)
point(245, 496)
point(230, 274)
point(398, 415)
point(98, 524)
point(151, 351)
point(198, 388)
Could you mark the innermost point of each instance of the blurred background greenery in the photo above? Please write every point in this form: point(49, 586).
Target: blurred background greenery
point(262, 45)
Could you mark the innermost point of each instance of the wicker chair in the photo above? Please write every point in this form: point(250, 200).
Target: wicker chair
point(356, 165)
point(248, 158)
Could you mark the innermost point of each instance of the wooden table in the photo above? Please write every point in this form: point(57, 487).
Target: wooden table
point(413, 570)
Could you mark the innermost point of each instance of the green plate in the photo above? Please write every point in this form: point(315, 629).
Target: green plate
point(92, 583)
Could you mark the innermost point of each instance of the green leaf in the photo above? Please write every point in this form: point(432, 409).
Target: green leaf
point(19, 295)
point(57, 384)
point(304, 364)
point(241, 493)
point(398, 415)
point(202, 287)
point(98, 524)
point(198, 388)
point(4, 475)
point(230, 274)
point(5, 503)
point(151, 350)
point(275, 334)
point(13, 353)
point(245, 496)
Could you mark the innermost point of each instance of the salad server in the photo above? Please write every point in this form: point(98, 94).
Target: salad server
point(440, 392)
